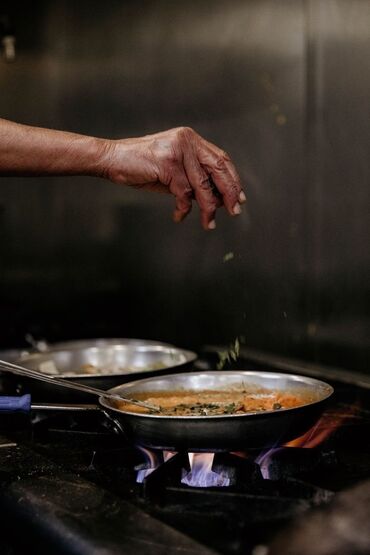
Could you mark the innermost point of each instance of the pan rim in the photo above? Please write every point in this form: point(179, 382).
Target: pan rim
point(190, 356)
point(257, 414)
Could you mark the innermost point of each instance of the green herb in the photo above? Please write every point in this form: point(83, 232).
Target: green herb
point(229, 408)
point(223, 358)
point(231, 354)
point(228, 256)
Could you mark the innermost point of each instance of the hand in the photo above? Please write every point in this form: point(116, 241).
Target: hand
point(180, 162)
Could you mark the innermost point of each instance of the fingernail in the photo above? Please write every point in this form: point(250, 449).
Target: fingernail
point(212, 225)
point(237, 209)
point(242, 197)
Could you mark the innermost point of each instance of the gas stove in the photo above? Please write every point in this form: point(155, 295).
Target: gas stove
point(70, 484)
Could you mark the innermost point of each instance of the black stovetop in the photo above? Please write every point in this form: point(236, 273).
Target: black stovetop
point(69, 486)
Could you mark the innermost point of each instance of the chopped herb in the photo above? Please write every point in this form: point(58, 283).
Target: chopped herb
point(229, 408)
point(231, 354)
point(223, 358)
point(228, 256)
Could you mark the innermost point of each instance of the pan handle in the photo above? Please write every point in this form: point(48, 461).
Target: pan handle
point(15, 404)
point(23, 404)
point(61, 407)
point(115, 423)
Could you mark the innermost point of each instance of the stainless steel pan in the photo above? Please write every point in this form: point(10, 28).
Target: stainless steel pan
point(213, 433)
point(43, 346)
point(111, 360)
point(226, 432)
point(102, 363)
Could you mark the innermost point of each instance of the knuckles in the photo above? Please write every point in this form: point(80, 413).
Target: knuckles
point(184, 138)
point(171, 145)
point(185, 134)
point(222, 159)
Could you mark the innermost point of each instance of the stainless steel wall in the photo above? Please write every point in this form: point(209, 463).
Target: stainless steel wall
point(283, 87)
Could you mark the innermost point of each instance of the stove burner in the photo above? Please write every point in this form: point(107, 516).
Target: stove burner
point(199, 470)
point(74, 473)
point(201, 474)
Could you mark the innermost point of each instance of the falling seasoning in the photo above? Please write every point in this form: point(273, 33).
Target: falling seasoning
point(231, 354)
point(228, 256)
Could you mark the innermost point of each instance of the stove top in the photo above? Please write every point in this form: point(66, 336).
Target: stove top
point(70, 484)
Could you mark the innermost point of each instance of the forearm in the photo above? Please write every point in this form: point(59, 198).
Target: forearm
point(177, 161)
point(26, 150)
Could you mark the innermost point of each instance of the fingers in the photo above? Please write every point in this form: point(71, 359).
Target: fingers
point(223, 172)
point(183, 207)
point(203, 190)
point(192, 167)
point(199, 180)
point(179, 186)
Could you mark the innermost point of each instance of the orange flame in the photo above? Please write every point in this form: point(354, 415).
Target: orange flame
point(323, 429)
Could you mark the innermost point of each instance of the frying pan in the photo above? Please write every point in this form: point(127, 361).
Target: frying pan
point(219, 433)
point(99, 363)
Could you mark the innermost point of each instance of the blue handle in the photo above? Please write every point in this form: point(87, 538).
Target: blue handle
point(13, 404)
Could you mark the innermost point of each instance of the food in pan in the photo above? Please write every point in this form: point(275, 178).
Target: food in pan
point(216, 402)
point(91, 369)
point(49, 367)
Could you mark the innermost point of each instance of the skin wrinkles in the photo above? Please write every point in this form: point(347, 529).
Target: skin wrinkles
point(177, 161)
point(189, 162)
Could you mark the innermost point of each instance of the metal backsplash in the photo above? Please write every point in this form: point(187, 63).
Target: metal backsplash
point(283, 87)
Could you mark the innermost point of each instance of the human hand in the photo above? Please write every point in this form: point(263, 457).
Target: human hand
point(182, 163)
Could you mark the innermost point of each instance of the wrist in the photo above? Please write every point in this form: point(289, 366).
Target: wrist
point(102, 156)
point(114, 161)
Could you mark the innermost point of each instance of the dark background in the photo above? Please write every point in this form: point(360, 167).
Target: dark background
point(283, 87)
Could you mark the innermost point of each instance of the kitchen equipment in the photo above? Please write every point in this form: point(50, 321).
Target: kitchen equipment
point(115, 395)
point(43, 346)
point(102, 363)
point(11, 355)
point(107, 361)
point(219, 433)
point(226, 432)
